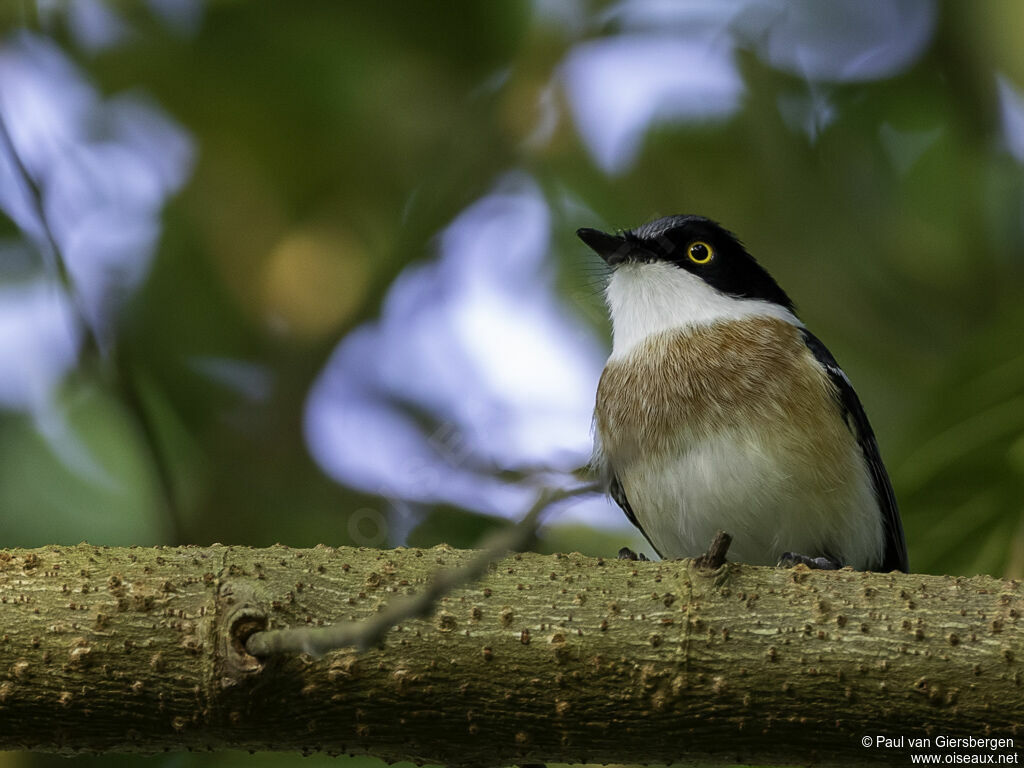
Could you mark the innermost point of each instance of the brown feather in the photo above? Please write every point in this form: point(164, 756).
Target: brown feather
point(697, 382)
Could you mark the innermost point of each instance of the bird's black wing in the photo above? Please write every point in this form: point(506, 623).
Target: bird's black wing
point(616, 492)
point(895, 555)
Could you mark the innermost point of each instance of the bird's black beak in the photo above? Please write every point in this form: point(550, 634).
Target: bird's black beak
point(612, 248)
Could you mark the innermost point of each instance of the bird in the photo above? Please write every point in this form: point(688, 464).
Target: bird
point(718, 409)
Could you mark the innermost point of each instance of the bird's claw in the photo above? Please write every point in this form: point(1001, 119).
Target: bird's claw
point(628, 554)
point(789, 559)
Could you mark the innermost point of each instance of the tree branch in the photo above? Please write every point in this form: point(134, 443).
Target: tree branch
point(558, 658)
point(316, 641)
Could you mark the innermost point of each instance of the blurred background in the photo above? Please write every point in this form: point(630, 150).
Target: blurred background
point(306, 272)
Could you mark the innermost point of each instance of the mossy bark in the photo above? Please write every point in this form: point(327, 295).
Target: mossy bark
point(547, 659)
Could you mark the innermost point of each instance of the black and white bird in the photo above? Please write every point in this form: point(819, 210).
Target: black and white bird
point(718, 410)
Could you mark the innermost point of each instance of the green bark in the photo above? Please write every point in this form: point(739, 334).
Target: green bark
point(547, 659)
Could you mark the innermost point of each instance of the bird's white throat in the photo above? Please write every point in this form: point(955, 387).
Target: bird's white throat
point(647, 299)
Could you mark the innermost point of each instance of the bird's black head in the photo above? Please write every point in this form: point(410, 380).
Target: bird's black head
point(698, 245)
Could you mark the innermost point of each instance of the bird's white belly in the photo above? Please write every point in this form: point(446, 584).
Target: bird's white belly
point(763, 490)
point(735, 427)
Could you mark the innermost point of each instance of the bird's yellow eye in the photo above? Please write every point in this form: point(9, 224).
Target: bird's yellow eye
point(700, 252)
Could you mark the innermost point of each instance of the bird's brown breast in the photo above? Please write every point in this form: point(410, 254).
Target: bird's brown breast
point(696, 382)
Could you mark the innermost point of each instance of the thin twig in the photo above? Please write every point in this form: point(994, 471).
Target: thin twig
point(715, 555)
point(124, 381)
point(131, 395)
point(50, 252)
point(364, 634)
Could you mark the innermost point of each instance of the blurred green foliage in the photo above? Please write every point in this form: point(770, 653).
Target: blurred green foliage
point(336, 140)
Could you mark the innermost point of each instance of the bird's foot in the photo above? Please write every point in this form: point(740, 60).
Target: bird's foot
point(628, 554)
point(789, 559)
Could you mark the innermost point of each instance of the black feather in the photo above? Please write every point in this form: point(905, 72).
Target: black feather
point(616, 492)
point(733, 271)
point(895, 556)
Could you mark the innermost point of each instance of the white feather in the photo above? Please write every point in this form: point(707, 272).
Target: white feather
point(646, 299)
point(759, 483)
point(769, 497)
